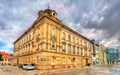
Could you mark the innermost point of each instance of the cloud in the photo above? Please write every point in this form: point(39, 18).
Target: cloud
point(98, 18)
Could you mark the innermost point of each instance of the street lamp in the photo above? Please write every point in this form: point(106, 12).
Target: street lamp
point(93, 44)
point(94, 53)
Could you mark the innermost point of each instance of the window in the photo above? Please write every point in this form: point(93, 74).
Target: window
point(31, 47)
point(53, 43)
point(73, 39)
point(53, 31)
point(84, 43)
point(24, 40)
point(77, 50)
point(52, 60)
point(63, 47)
point(31, 35)
point(73, 49)
point(37, 59)
point(69, 61)
point(53, 14)
point(63, 36)
point(5, 59)
point(38, 31)
point(28, 37)
point(73, 59)
point(80, 42)
point(81, 51)
point(69, 49)
point(69, 37)
point(77, 41)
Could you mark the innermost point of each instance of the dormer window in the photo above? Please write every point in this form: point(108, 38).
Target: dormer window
point(53, 14)
point(48, 12)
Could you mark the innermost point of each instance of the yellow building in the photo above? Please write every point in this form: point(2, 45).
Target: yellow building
point(100, 58)
point(103, 54)
point(48, 43)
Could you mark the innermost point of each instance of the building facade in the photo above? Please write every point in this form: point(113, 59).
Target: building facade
point(100, 58)
point(6, 59)
point(102, 49)
point(49, 44)
point(112, 55)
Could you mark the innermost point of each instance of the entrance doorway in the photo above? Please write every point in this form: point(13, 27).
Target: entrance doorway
point(17, 61)
point(86, 61)
point(73, 61)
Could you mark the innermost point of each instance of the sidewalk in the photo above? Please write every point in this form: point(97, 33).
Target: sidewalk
point(60, 70)
point(1, 72)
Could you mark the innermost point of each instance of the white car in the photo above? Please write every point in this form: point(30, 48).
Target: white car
point(28, 66)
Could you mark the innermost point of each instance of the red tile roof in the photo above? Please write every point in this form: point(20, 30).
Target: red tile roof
point(5, 55)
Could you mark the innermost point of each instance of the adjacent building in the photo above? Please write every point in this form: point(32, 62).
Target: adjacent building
point(49, 44)
point(103, 50)
point(112, 55)
point(6, 59)
point(100, 57)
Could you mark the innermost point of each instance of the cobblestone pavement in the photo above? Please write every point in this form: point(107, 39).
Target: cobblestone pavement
point(13, 70)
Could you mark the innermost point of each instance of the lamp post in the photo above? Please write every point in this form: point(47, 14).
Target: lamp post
point(94, 53)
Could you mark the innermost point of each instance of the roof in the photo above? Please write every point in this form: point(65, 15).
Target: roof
point(5, 55)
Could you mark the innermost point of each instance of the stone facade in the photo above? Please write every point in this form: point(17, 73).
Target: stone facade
point(49, 44)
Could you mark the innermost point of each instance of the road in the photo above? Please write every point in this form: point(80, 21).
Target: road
point(86, 71)
point(13, 70)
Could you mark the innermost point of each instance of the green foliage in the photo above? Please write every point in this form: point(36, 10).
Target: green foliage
point(1, 59)
point(11, 54)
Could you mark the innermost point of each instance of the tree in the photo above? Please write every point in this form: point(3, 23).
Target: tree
point(11, 54)
point(1, 59)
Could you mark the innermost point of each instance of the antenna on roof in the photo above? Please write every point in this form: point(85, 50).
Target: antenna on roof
point(48, 6)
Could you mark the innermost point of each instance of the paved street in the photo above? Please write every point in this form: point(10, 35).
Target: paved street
point(13, 70)
point(86, 71)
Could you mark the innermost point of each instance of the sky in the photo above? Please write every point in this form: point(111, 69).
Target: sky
point(95, 19)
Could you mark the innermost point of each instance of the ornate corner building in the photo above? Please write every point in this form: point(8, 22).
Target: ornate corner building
point(49, 44)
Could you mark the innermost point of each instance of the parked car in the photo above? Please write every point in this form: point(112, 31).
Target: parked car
point(28, 66)
point(20, 65)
